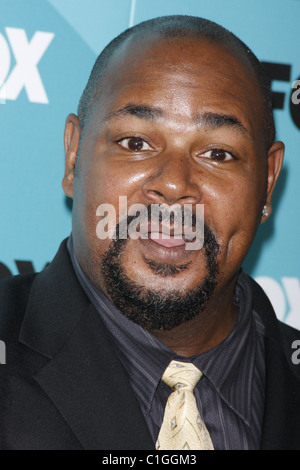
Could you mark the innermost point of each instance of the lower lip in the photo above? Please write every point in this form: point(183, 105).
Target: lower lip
point(159, 251)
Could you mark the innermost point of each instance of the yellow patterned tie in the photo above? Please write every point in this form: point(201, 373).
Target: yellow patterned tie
point(182, 427)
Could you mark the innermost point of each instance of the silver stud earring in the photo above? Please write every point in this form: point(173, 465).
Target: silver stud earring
point(265, 211)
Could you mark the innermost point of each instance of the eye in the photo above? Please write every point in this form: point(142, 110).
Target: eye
point(135, 144)
point(218, 155)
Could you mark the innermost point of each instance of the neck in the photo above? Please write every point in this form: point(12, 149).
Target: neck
point(205, 331)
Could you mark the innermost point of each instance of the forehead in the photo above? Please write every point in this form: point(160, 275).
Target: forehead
point(183, 76)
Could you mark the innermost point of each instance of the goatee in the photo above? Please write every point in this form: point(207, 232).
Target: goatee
point(159, 310)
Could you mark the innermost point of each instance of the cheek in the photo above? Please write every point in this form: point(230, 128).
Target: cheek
point(96, 186)
point(235, 215)
point(101, 184)
point(108, 179)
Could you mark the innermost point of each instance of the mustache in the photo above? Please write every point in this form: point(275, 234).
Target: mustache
point(210, 241)
point(178, 217)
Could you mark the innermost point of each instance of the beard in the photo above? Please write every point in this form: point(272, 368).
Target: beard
point(154, 309)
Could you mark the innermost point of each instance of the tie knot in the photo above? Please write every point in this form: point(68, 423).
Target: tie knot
point(181, 375)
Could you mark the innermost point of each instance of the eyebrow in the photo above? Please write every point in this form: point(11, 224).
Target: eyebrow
point(216, 120)
point(148, 113)
point(206, 119)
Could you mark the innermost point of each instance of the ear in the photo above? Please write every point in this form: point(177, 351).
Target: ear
point(71, 143)
point(275, 159)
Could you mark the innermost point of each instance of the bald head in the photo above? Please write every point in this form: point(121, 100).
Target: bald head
point(172, 28)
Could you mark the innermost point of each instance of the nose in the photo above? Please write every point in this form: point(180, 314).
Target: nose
point(172, 182)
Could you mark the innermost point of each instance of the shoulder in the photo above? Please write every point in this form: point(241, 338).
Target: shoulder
point(262, 305)
point(278, 334)
point(14, 295)
point(15, 284)
point(289, 332)
point(16, 292)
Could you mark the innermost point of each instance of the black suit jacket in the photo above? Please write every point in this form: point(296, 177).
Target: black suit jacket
point(63, 386)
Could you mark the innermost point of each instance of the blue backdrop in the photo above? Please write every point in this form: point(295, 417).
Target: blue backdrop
point(47, 49)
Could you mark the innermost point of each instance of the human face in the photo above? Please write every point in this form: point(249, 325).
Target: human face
point(177, 122)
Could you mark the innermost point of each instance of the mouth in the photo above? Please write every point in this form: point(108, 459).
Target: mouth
point(167, 245)
point(169, 237)
point(169, 240)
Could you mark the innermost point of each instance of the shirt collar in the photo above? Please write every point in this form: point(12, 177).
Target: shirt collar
point(229, 366)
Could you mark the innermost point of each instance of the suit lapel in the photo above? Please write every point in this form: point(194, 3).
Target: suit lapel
point(83, 376)
point(88, 385)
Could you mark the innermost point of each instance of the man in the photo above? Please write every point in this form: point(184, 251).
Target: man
point(176, 113)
